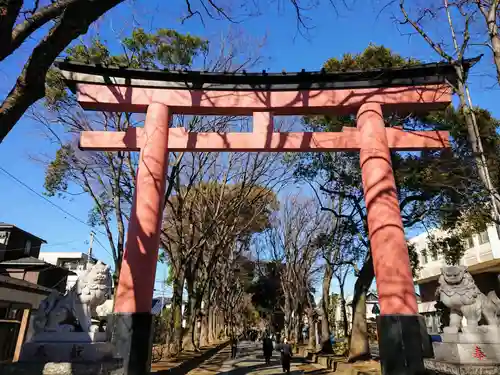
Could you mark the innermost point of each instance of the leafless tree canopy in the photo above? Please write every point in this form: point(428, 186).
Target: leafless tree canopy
point(69, 19)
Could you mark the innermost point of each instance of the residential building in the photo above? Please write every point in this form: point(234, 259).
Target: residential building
point(16, 243)
point(38, 272)
point(18, 298)
point(482, 258)
point(161, 303)
point(76, 262)
point(25, 281)
point(372, 310)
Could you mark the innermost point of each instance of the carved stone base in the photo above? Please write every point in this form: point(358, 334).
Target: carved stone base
point(450, 368)
point(66, 352)
point(72, 337)
point(466, 353)
point(483, 335)
point(62, 368)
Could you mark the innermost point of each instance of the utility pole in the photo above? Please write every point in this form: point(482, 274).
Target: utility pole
point(89, 252)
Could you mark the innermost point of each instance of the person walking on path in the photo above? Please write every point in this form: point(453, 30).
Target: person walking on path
point(234, 346)
point(267, 346)
point(286, 356)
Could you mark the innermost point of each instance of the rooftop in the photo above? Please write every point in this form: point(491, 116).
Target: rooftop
point(423, 74)
point(12, 226)
point(23, 284)
point(159, 303)
point(66, 255)
point(33, 263)
point(27, 261)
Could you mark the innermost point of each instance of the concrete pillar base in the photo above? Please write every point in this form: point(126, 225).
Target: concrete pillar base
point(131, 336)
point(403, 344)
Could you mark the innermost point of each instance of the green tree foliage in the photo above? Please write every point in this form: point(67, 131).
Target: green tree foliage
point(268, 295)
point(163, 49)
point(373, 57)
point(56, 175)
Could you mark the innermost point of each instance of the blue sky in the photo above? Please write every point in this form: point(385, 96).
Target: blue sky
point(333, 34)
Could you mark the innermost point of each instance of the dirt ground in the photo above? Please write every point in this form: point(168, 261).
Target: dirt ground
point(220, 363)
point(162, 364)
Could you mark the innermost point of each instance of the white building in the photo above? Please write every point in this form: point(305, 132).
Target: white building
point(372, 310)
point(482, 258)
point(74, 261)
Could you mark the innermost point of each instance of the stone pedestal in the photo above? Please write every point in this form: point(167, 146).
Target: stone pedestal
point(436, 367)
point(481, 346)
point(67, 347)
point(62, 368)
point(473, 352)
point(467, 353)
point(44, 352)
point(482, 336)
point(70, 337)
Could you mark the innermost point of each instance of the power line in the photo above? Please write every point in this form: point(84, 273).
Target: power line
point(44, 246)
point(104, 248)
point(59, 208)
point(56, 206)
point(46, 199)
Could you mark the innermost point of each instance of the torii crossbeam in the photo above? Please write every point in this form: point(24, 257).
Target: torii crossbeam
point(367, 94)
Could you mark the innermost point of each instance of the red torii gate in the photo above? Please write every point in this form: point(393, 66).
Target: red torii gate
point(367, 94)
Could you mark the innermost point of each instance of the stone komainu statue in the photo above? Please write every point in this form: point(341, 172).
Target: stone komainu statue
point(74, 310)
point(458, 291)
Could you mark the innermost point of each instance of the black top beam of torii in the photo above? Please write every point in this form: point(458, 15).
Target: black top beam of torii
point(413, 75)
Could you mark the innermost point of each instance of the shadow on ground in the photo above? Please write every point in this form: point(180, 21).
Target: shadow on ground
point(198, 362)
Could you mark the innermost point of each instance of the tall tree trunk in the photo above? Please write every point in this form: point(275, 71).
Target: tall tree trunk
point(177, 313)
point(117, 176)
point(297, 328)
point(288, 316)
point(190, 317)
point(197, 319)
point(476, 143)
point(312, 329)
point(495, 43)
point(196, 336)
point(343, 308)
point(204, 337)
point(490, 11)
point(217, 324)
point(211, 325)
point(326, 344)
point(359, 347)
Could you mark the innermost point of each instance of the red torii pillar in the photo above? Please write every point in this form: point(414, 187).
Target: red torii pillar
point(401, 341)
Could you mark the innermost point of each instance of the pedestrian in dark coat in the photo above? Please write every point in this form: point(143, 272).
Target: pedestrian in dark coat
point(234, 346)
point(267, 346)
point(286, 356)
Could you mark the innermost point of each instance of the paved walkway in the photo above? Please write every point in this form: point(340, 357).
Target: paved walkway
point(249, 360)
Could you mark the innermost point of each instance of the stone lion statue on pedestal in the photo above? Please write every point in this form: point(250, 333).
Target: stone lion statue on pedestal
point(74, 310)
point(458, 291)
